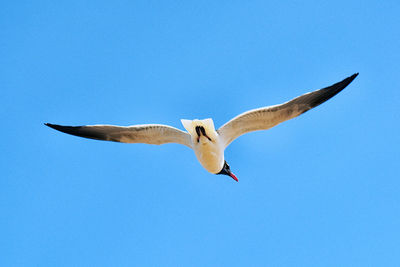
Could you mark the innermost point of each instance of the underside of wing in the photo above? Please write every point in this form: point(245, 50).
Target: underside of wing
point(155, 134)
point(268, 117)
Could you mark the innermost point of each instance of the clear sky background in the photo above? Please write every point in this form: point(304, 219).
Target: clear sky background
point(320, 190)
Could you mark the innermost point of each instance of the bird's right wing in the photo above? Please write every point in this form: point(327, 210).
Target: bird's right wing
point(155, 134)
point(267, 117)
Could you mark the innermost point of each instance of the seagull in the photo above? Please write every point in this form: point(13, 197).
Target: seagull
point(209, 144)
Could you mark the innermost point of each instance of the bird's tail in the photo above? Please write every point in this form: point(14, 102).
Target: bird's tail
point(190, 125)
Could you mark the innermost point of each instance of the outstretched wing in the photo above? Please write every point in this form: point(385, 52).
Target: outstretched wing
point(155, 134)
point(267, 117)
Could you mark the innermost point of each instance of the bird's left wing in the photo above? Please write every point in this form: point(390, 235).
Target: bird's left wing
point(268, 117)
point(155, 134)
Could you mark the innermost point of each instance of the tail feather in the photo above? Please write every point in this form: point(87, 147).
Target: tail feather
point(190, 125)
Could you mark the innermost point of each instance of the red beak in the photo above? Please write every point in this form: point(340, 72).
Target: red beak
point(234, 177)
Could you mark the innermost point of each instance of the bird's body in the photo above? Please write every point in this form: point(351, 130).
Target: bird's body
point(207, 142)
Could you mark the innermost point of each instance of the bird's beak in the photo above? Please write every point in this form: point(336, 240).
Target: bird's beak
point(233, 177)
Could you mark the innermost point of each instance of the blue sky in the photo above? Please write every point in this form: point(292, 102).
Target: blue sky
point(319, 190)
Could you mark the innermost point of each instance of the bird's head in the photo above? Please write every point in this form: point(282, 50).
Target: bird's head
point(227, 171)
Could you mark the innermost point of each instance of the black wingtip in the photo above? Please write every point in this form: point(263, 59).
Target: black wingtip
point(320, 96)
point(54, 126)
point(80, 131)
point(64, 129)
point(352, 77)
point(343, 84)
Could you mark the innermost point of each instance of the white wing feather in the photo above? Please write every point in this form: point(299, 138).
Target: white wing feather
point(267, 117)
point(155, 134)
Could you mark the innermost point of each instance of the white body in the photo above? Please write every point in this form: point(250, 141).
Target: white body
point(209, 153)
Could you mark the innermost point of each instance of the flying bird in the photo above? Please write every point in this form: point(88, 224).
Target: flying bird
point(209, 144)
